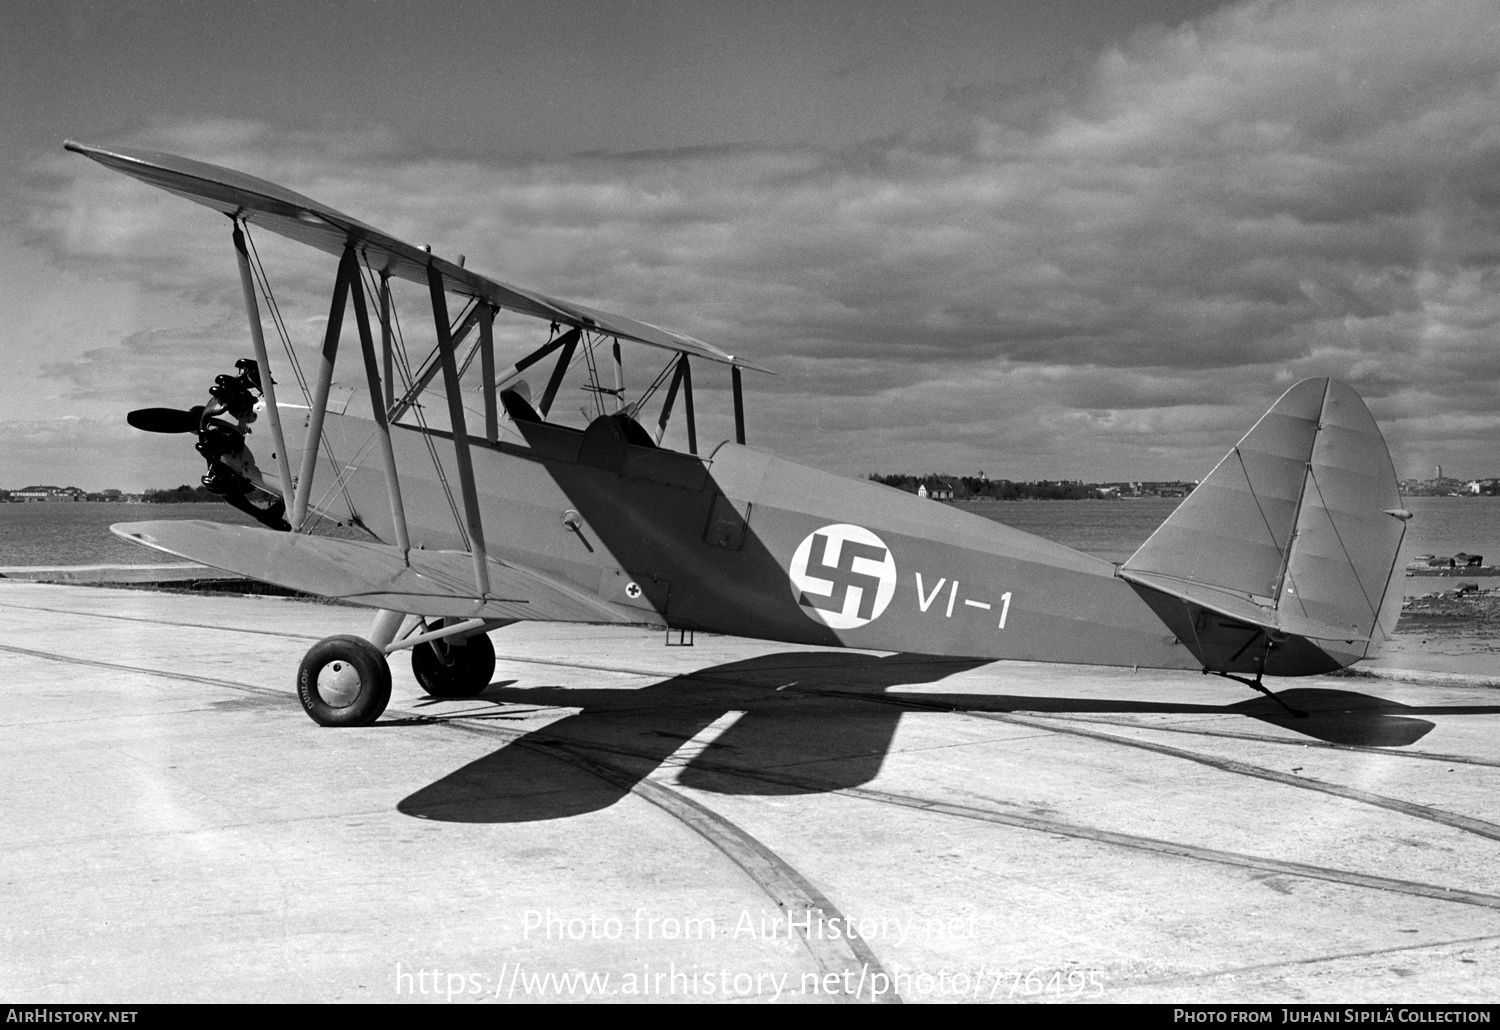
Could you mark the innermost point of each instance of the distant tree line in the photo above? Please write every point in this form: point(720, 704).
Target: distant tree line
point(180, 495)
point(999, 489)
point(1041, 490)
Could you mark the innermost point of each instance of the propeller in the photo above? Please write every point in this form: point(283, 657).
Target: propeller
point(231, 395)
point(166, 420)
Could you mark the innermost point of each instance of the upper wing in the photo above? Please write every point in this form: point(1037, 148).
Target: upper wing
point(317, 225)
point(433, 583)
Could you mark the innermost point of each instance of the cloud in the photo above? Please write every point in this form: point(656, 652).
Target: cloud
point(94, 454)
point(1134, 261)
point(166, 364)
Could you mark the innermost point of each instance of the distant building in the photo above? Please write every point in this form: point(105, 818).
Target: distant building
point(47, 493)
point(1447, 486)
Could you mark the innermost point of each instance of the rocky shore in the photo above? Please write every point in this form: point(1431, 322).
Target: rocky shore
point(1465, 604)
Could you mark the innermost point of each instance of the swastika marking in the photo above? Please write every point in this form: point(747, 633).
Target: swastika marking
point(843, 576)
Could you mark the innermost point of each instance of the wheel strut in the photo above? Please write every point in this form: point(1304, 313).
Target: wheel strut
point(1256, 684)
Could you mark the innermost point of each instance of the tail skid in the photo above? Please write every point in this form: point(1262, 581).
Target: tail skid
point(1281, 560)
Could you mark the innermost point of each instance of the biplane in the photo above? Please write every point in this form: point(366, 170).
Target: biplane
point(1279, 563)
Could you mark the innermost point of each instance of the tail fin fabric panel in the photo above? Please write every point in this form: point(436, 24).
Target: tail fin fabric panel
point(1290, 536)
point(1230, 535)
point(1344, 552)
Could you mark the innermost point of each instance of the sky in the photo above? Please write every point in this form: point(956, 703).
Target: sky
point(1092, 240)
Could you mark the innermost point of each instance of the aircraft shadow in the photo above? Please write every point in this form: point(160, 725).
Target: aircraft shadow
point(799, 733)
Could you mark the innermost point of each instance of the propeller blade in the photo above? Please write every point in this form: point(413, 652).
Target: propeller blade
point(166, 420)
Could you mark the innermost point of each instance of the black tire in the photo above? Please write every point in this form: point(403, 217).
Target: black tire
point(344, 681)
point(468, 668)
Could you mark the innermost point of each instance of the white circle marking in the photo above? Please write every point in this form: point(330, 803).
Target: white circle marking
point(843, 576)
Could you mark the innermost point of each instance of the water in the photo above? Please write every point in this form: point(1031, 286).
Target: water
point(1447, 525)
point(1114, 529)
point(78, 533)
point(1109, 529)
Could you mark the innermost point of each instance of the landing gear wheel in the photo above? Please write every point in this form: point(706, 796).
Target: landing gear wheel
point(462, 670)
point(344, 681)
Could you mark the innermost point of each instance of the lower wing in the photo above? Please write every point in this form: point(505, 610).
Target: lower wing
point(429, 583)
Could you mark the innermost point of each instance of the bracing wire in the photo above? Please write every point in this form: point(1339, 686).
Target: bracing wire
point(342, 475)
point(326, 445)
point(264, 282)
point(403, 367)
point(597, 389)
point(661, 377)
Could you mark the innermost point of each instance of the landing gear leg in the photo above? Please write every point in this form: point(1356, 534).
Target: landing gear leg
point(385, 627)
point(1255, 684)
point(344, 681)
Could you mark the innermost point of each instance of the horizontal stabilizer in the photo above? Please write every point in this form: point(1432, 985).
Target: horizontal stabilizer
point(432, 583)
point(1238, 608)
point(1295, 533)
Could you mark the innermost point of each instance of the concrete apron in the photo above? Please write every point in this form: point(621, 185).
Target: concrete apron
point(617, 819)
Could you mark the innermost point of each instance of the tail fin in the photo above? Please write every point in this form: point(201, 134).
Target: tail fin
point(1281, 560)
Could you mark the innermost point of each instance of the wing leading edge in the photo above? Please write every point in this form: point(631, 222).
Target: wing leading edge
point(435, 583)
point(303, 219)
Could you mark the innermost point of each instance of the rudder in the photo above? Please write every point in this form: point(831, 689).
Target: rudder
point(1281, 560)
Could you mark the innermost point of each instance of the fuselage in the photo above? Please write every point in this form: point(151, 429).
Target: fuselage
point(742, 542)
